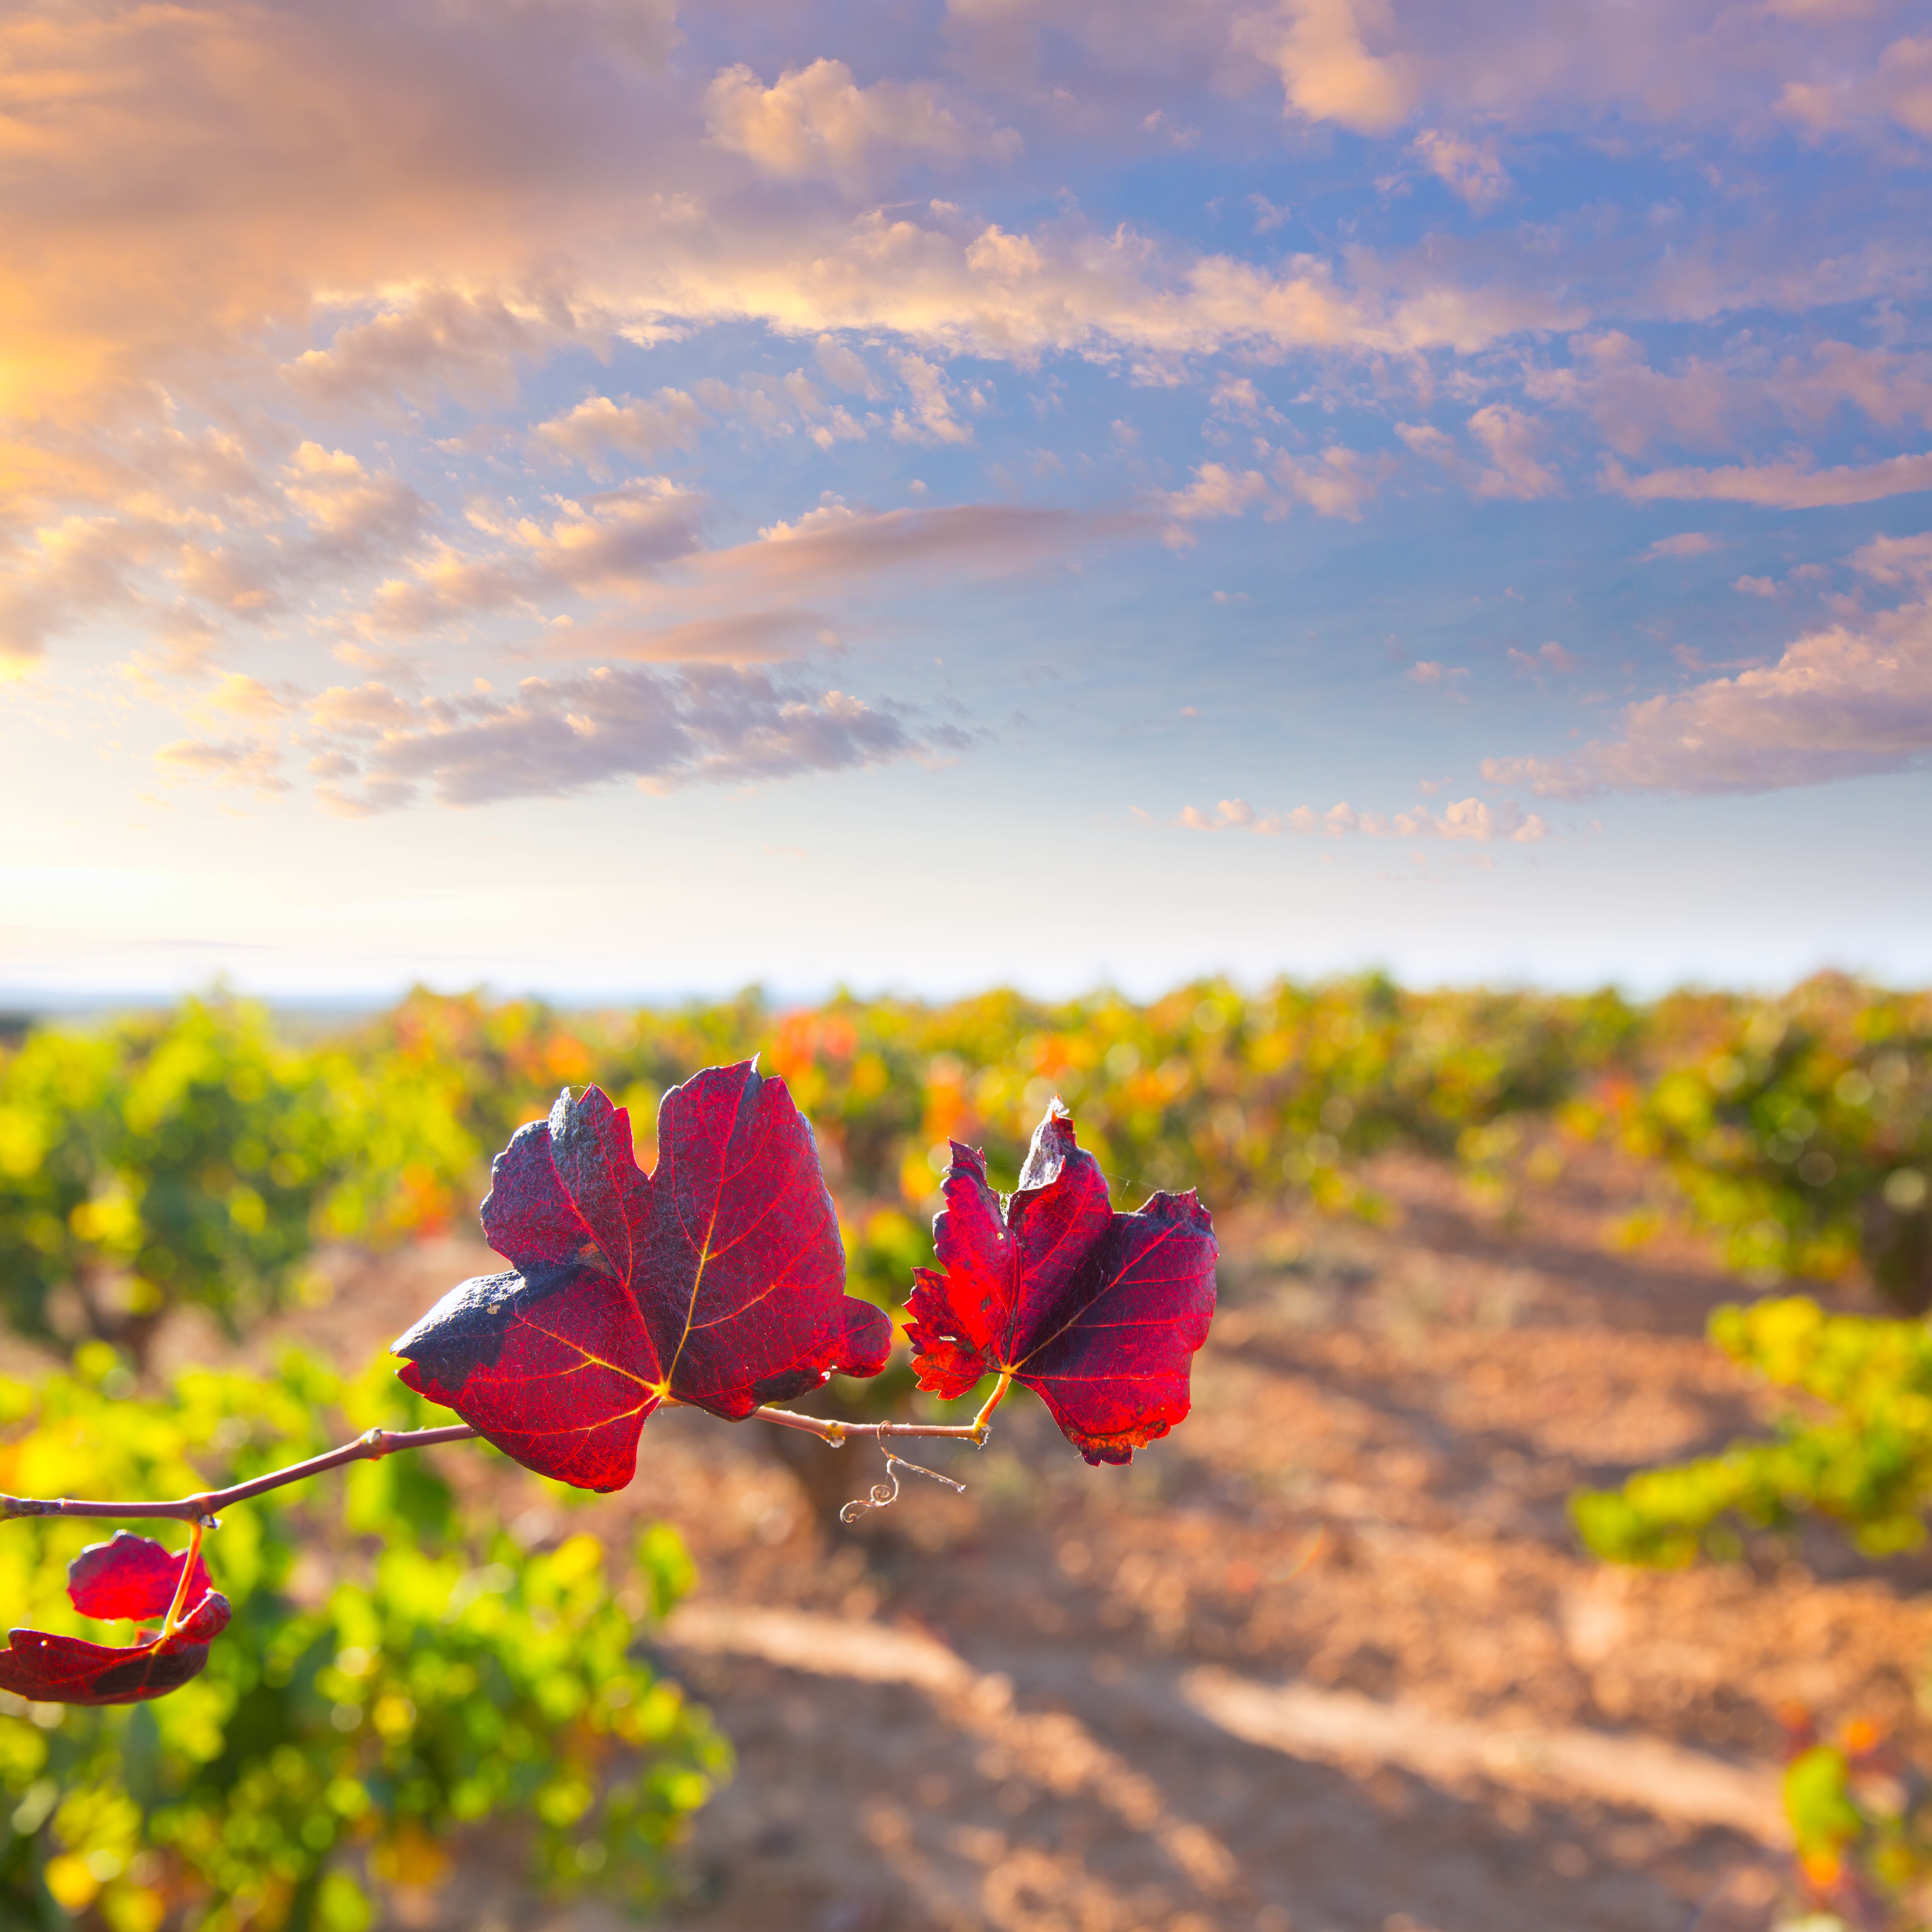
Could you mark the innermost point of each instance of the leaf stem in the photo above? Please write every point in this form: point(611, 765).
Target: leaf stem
point(172, 1622)
point(983, 1419)
point(377, 1442)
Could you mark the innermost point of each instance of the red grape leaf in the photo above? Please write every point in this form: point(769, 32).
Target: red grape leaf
point(1100, 1313)
point(52, 1669)
point(131, 1576)
point(719, 1279)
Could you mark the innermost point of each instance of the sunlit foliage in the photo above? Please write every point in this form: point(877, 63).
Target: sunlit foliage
point(396, 1673)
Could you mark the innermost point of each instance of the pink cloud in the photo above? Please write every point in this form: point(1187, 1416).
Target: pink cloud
point(1468, 819)
point(598, 427)
point(1512, 443)
point(1468, 168)
point(374, 749)
point(1549, 657)
point(1326, 53)
point(1844, 702)
point(816, 121)
point(1784, 486)
point(1897, 90)
point(1340, 482)
point(1686, 543)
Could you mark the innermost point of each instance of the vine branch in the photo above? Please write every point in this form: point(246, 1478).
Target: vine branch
point(376, 1443)
point(835, 1433)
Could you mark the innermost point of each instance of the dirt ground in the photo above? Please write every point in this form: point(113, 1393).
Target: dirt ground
point(1328, 1660)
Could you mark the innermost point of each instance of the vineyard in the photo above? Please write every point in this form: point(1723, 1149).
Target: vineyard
point(1469, 1242)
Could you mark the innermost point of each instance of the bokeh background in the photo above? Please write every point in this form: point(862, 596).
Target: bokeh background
point(1482, 1588)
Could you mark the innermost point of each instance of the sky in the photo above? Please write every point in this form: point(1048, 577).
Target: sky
point(621, 501)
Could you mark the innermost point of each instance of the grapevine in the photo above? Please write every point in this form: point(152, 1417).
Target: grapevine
point(716, 1281)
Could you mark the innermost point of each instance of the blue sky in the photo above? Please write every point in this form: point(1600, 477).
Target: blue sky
point(580, 495)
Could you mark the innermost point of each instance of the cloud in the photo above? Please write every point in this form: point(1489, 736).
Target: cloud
point(1340, 482)
point(1467, 168)
point(1686, 543)
point(1237, 814)
point(1898, 90)
point(1632, 404)
point(247, 762)
point(441, 343)
point(1783, 486)
point(1437, 445)
point(1321, 50)
point(448, 199)
point(377, 750)
point(171, 563)
point(1847, 701)
point(817, 122)
point(202, 535)
point(932, 419)
point(1888, 560)
point(1468, 819)
point(463, 189)
point(1471, 819)
point(669, 420)
point(1531, 66)
point(1510, 440)
point(69, 571)
point(612, 543)
point(633, 556)
point(1706, 404)
point(1549, 657)
point(847, 369)
point(1218, 491)
point(644, 428)
point(781, 406)
point(1236, 396)
point(351, 514)
point(742, 638)
point(236, 697)
point(227, 225)
point(1890, 387)
point(836, 544)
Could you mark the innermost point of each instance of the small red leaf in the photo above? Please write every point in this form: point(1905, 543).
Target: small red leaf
point(205, 1621)
point(131, 1576)
point(52, 1669)
point(717, 1280)
point(1100, 1312)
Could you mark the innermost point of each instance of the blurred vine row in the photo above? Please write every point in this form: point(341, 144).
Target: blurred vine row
point(194, 1156)
point(407, 1671)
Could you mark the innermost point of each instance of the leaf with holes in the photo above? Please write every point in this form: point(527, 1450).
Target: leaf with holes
point(132, 1578)
point(1099, 1313)
point(719, 1279)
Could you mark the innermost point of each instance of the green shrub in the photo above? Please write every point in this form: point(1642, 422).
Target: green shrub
point(395, 1675)
point(1862, 1455)
point(164, 1161)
